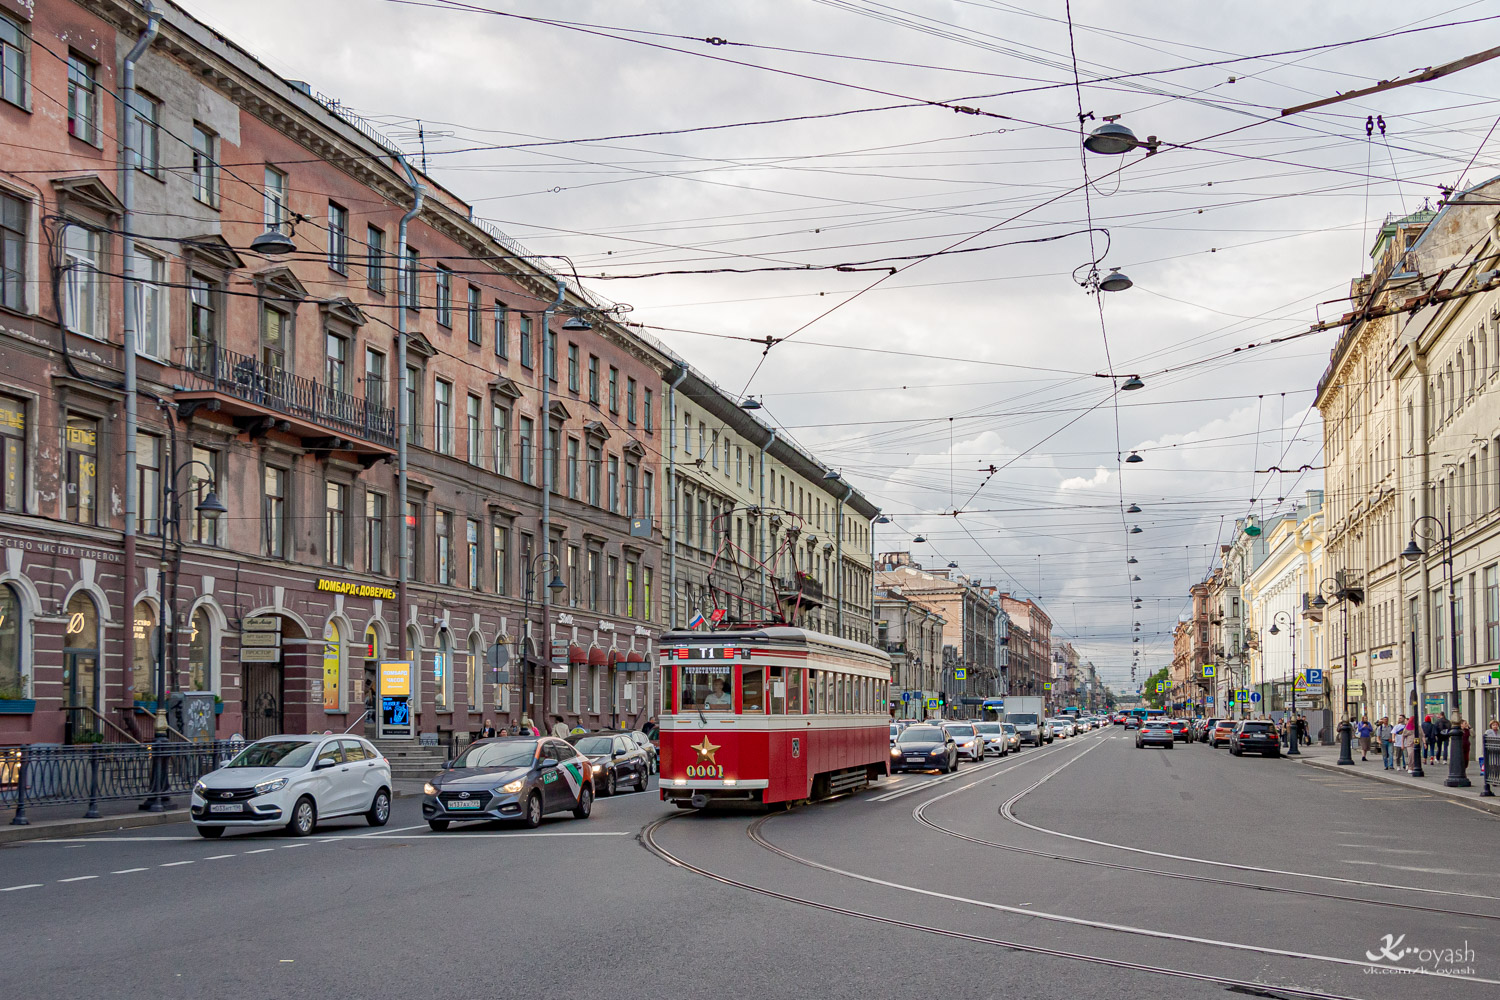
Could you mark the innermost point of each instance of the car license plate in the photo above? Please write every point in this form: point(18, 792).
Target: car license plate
point(225, 807)
point(462, 804)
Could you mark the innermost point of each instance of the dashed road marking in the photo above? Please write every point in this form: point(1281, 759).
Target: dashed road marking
point(174, 864)
point(219, 857)
point(78, 878)
point(263, 850)
point(29, 885)
point(127, 871)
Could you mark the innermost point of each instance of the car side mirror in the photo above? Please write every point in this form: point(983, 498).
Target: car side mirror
point(619, 753)
point(324, 765)
point(447, 765)
point(547, 762)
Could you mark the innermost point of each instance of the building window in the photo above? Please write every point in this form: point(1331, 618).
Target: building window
point(338, 238)
point(375, 260)
point(147, 483)
point(630, 590)
point(444, 296)
point(500, 539)
point(613, 583)
point(552, 355)
point(630, 400)
point(646, 593)
point(475, 316)
point(442, 674)
point(83, 99)
point(614, 389)
point(374, 377)
point(527, 450)
point(713, 453)
point(12, 454)
point(203, 477)
point(337, 362)
point(473, 435)
point(1461, 655)
point(83, 469)
point(273, 338)
point(144, 646)
point(83, 309)
point(573, 375)
point(151, 334)
point(687, 433)
point(630, 484)
point(526, 355)
point(412, 537)
point(336, 537)
point(14, 223)
point(594, 581)
point(573, 485)
point(502, 332)
point(593, 379)
point(374, 532)
point(442, 526)
point(203, 653)
point(648, 494)
point(203, 321)
point(408, 279)
point(595, 460)
point(205, 167)
point(12, 74)
point(500, 418)
point(145, 125)
point(614, 484)
point(550, 462)
point(650, 419)
point(274, 511)
point(572, 569)
point(276, 210)
point(413, 404)
point(442, 416)
point(474, 566)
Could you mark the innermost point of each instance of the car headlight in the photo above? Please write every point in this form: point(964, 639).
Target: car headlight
point(429, 789)
point(598, 768)
point(267, 787)
point(200, 790)
point(895, 752)
point(514, 786)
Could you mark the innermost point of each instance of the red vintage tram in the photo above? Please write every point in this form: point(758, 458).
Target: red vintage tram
point(770, 714)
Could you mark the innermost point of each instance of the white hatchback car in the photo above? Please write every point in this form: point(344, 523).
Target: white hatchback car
point(295, 782)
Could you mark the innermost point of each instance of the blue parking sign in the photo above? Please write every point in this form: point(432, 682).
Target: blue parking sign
point(1314, 675)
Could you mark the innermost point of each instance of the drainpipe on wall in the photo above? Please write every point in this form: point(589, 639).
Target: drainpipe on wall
point(760, 525)
point(403, 418)
point(677, 378)
point(132, 292)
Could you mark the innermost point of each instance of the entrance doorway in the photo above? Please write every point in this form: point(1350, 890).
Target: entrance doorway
point(264, 697)
point(81, 670)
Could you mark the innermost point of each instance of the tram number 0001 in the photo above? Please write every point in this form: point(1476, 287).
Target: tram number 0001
point(705, 771)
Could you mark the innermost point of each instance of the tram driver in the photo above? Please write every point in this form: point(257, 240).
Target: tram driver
point(710, 691)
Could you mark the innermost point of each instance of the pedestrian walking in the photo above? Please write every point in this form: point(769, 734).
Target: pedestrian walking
point(487, 731)
point(1427, 739)
point(1398, 742)
point(1468, 738)
point(1303, 729)
point(1440, 727)
point(559, 727)
point(1383, 733)
point(1364, 732)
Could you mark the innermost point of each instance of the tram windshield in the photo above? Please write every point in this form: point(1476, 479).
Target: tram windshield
point(707, 687)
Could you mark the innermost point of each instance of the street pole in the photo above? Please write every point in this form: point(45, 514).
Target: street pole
point(1346, 727)
point(1457, 765)
point(1413, 726)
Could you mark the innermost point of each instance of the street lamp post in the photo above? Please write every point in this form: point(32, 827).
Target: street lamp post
point(1290, 621)
point(1457, 765)
point(1412, 725)
point(1330, 587)
point(554, 585)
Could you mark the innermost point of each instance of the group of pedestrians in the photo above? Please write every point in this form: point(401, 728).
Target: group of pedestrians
point(1425, 741)
point(1292, 727)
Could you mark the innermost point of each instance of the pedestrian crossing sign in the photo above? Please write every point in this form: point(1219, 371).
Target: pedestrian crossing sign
point(1208, 670)
point(932, 703)
point(960, 673)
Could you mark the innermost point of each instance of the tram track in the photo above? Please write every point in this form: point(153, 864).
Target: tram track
point(649, 840)
point(920, 814)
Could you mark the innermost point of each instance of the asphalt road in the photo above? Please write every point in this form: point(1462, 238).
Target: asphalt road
point(1087, 867)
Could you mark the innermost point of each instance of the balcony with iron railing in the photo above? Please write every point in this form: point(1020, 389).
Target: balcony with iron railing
point(261, 397)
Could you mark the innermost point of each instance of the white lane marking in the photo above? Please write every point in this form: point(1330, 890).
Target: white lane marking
point(78, 878)
point(173, 864)
point(218, 857)
point(377, 833)
point(1414, 868)
point(291, 847)
point(29, 885)
point(461, 836)
point(127, 871)
point(263, 850)
point(105, 840)
point(1006, 810)
point(1063, 918)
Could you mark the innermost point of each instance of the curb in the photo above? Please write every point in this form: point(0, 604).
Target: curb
point(78, 827)
point(1488, 805)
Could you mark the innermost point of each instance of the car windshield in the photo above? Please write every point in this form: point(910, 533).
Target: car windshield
point(275, 753)
point(506, 754)
point(595, 745)
point(1256, 727)
point(987, 727)
point(1007, 727)
point(960, 730)
point(1156, 724)
point(921, 734)
point(1022, 719)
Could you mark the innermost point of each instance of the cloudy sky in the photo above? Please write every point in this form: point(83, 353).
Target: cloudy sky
point(603, 127)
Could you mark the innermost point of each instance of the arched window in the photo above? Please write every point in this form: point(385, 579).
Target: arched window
point(203, 653)
point(81, 668)
point(475, 678)
point(414, 654)
point(12, 645)
point(143, 656)
point(333, 668)
point(442, 674)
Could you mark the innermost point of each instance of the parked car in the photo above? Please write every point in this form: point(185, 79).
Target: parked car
point(1203, 729)
point(1256, 736)
point(647, 744)
point(970, 743)
point(513, 777)
point(924, 748)
point(616, 761)
point(1154, 733)
point(296, 782)
point(995, 741)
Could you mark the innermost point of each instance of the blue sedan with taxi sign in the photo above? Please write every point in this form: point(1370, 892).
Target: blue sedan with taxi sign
point(520, 778)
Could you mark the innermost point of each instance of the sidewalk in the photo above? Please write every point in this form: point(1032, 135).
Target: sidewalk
point(1327, 757)
point(64, 820)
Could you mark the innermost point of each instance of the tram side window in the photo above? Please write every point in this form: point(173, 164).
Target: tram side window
point(706, 687)
point(778, 693)
point(752, 689)
point(821, 702)
point(794, 691)
point(667, 708)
